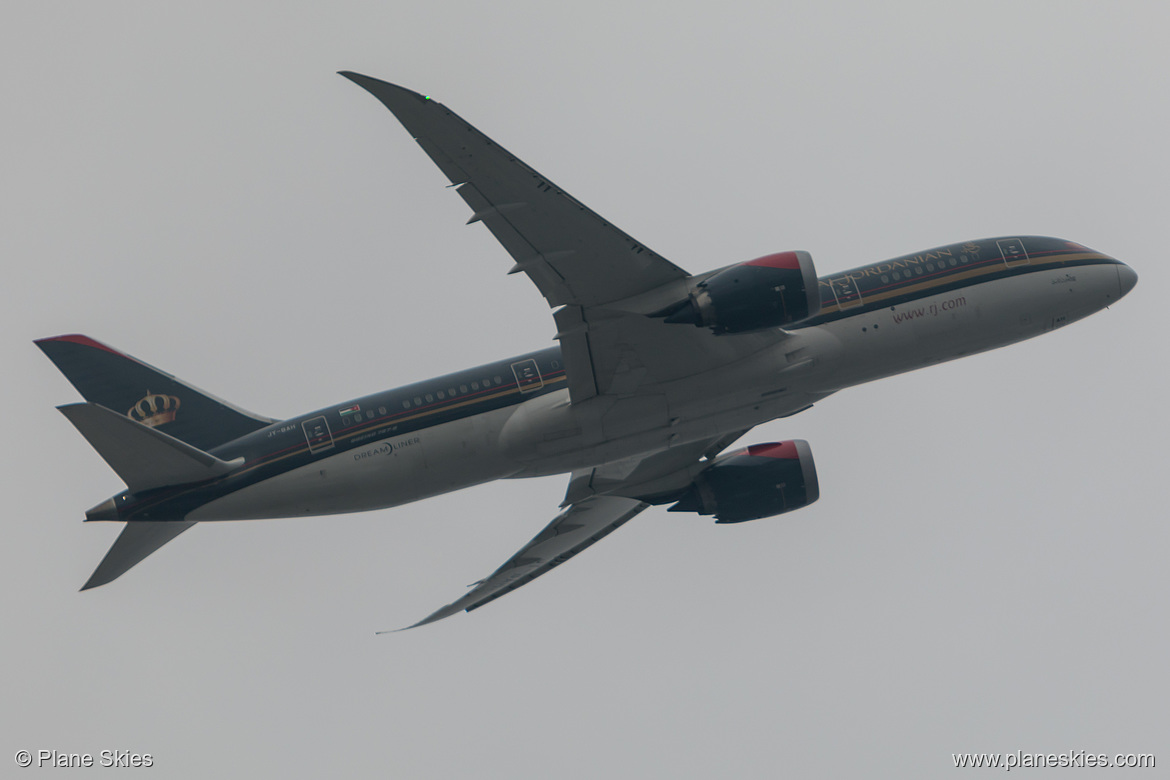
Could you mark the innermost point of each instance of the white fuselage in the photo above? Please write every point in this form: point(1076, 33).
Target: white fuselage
point(547, 435)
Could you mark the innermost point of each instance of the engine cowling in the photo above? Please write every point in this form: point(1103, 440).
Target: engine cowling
point(762, 480)
point(768, 292)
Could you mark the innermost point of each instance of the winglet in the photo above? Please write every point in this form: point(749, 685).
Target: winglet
point(383, 90)
point(446, 611)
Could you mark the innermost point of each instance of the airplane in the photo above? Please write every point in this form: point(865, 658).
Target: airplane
point(656, 374)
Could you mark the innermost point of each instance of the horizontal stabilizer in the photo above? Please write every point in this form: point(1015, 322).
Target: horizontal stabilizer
point(136, 541)
point(143, 457)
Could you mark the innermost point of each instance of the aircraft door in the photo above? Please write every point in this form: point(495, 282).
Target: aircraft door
point(846, 291)
point(1013, 252)
point(317, 434)
point(527, 375)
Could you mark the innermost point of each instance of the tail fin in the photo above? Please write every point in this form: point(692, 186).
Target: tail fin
point(136, 541)
point(113, 379)
point(144, 458)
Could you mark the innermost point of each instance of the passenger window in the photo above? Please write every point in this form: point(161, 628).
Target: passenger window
point(429, 397)
point(406, 404)
point(442, 395)
point(498, 379)
point(417, 401)
point(381, 410)
point(451, 391)
point(462, 388)
point(885, 278)
point(475, 385)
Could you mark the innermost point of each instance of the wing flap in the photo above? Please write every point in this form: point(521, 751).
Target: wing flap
point(573, 333)
point(529, 259)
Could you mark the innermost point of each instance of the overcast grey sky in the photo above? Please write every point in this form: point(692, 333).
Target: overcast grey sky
point(986, 569)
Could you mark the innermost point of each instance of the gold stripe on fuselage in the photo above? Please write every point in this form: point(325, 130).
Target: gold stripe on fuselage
point(923, 287)
point(400, 420)
point(300, 448)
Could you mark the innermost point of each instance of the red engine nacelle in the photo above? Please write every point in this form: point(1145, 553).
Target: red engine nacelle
point(768, 292)
point(758, 481)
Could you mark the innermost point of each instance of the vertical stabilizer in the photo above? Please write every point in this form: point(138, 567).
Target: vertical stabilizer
point(113, 379)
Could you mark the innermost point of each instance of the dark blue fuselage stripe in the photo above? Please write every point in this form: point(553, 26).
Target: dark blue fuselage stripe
point(938, 287)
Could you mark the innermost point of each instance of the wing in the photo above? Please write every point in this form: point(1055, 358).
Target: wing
point(605, 281)
point(570, 253)
point(572, 531)
point(599, 501)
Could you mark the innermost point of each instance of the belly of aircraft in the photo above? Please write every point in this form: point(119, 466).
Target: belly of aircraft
point(942, 327)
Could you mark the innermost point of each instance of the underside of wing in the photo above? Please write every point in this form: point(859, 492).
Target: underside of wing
point(572, 531)
point(570, 253)
point(605, 282)
point(621, 353)
point(646, 476)
point(599, 502)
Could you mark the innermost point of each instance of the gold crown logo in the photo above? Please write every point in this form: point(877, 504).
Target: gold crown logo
point(154, 410)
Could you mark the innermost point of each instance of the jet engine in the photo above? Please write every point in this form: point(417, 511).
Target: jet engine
point(759, 481)
point(768, 292)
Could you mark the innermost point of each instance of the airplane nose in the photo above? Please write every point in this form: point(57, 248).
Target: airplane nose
point(1126, 279)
